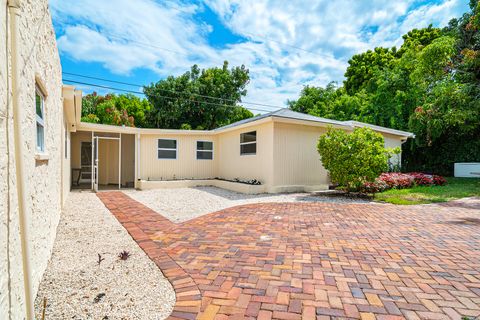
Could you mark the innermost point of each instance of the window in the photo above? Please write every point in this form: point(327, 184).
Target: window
point(40, 116)
point(204, 150)
point(248, 143)
point(167, 149)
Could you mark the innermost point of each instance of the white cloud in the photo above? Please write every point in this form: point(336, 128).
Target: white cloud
point(290, 42)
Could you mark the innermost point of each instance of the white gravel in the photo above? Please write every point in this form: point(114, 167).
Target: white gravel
point(182, 204)
point(134, 288)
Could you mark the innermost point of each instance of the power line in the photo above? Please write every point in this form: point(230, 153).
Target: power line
point(172, 98)
point(173, 91)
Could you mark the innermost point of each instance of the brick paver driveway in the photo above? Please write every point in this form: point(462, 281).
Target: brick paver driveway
point(315, 260)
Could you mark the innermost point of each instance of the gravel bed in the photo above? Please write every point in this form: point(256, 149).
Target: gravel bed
point(77, 287)
point(182, 204)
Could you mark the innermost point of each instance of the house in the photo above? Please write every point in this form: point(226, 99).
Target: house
point(278, 149)
point(45, 149)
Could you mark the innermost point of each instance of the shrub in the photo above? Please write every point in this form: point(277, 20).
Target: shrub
point(374, 187)
point(392, 180)
point(422, 179)
point(397, 180)
point(439, 180)
point(353, 159)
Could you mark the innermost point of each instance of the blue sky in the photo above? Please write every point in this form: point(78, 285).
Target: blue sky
point(285, 44)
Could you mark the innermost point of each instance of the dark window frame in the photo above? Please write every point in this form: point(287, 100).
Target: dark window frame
point(248, 143)
point(167, 149)
point(204, 151)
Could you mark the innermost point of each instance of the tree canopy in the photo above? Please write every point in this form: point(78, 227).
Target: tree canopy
point(430, 86)
point(124, 109)
point(199, 99)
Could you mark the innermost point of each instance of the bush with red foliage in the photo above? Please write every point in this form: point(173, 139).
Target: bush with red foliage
point(374, 187)
point(395, 180)
point(439, 180)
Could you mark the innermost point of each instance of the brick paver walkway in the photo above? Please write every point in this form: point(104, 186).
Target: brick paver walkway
point(314, 260)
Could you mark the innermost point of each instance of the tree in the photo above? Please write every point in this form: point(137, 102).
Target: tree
point(418, 38)
point(124, 109)
point(431, 87)
point(353, 159)
point(330, 102)
point(363, 66)
point(199, 99)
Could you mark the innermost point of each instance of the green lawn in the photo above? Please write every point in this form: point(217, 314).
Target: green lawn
point(455, 189)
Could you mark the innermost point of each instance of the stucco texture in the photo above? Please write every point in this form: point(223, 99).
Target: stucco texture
point(38, 62)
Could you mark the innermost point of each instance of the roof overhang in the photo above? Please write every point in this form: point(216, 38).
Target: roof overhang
point(97, 127)
point(243, 126)
point(310, 123)
point(404, 135)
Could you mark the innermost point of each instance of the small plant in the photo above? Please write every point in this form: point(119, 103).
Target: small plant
point(98, 297)
point(100, 259)
point(254, 182)
point(124, 255)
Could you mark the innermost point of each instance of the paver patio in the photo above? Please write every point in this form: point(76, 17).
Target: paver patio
point(314, 260)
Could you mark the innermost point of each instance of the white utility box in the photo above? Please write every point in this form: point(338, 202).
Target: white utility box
point(467, 169)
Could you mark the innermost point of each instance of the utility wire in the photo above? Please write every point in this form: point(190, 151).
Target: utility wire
point(173, 91)
point(172, 98)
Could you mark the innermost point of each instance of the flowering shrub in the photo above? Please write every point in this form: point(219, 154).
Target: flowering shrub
point(439, 180)
point(394, 180)
point(397, 180)
point(374, 187)
point(422, 179)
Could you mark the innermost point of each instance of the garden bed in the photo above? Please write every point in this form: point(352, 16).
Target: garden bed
point(237, 186)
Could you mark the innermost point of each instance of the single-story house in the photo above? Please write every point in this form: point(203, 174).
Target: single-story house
point(46, 148)
point(277, 149)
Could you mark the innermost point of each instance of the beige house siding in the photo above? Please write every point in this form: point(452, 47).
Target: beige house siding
point(286, 160)
point(296, 160)
point(38, 59)
point(76, 142)
point(392, 141)
point(233, 165)
point(186, 166)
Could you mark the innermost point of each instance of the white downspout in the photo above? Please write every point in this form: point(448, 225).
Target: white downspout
point(120, 162)
point(14, 13)
point(135, 145)
point(139, 151)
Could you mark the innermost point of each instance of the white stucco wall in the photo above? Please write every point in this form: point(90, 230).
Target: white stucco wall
point(38, 59)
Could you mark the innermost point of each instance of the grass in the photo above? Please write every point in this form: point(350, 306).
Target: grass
point(455, 189)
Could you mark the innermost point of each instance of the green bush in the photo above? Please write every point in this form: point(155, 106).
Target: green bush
point(354, 158)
